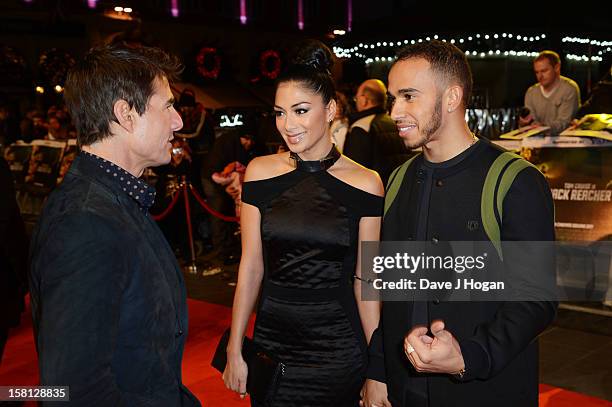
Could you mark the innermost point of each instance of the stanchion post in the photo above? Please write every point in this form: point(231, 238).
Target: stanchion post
point(191, 267)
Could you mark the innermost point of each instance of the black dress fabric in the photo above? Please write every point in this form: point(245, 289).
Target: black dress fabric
point(308, 315)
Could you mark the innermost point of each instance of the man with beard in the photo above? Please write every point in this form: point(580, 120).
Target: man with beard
point(441, 353)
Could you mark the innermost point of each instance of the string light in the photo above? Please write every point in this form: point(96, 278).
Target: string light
point(477, 42)
point(584, 58)
point(586, 41)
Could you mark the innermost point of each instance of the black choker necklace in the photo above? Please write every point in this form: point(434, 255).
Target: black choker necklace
point(317, 165)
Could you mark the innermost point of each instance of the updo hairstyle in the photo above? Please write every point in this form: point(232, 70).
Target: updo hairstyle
point(310, 65)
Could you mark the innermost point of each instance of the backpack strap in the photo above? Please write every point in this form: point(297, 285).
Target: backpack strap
point(395, 181)
point(500, 177)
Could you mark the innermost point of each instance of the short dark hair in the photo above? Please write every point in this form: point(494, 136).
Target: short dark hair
point(310, 65)
point(109, 73)
point(551, 56)
point(446, 60)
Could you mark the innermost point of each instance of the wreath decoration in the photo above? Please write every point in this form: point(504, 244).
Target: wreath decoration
point(270, 64)
point(208, 63)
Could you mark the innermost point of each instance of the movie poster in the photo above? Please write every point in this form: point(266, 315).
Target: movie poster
point(44, 163)
point(580, 178)
point(18, 156)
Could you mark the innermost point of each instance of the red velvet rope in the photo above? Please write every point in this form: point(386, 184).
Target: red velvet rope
point(201, 201)
point(168, 209)
point(211, 210)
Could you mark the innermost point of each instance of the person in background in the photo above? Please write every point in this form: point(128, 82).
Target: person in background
point(555, 99)
point(26, 126)
point(372, 140)
point(600, 100)
point(339, 126)
point(39, 130)
point(56, 131)
point(174, 225)
point(233, 146)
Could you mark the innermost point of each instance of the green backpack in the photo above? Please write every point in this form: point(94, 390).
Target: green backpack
point(504, 170)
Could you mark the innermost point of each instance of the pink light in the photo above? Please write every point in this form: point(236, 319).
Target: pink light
point(243, 14)
point(300, 14)
point(92, 3)
point(174, 9)
point(349, 16)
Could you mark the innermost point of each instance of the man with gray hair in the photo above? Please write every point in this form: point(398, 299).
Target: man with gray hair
point(372, 140)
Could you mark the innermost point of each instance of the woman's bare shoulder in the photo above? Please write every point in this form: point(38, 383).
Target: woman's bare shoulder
point(267, 166)
point(360, 177)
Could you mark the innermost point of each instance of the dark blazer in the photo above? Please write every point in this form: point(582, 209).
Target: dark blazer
point(498, 340)
point(373, 141)
point(108, 297)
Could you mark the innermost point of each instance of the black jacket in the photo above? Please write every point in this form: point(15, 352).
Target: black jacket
point(373, 142)
point(497, 339)
point(108, 297)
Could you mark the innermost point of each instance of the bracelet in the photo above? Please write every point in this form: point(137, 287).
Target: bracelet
point(368, 281)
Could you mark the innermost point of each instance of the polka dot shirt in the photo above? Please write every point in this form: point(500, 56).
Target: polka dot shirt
point(137, 189)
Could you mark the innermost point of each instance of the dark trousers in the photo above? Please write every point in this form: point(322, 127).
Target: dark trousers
point(222, 231)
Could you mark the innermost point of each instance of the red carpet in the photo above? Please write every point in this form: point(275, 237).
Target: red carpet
point(206, 324)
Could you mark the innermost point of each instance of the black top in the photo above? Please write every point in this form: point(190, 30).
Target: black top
point(308, 316)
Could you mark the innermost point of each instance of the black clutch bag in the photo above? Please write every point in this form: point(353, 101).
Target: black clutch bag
point(265, 371)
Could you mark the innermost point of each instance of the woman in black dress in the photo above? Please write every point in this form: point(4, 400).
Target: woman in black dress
point(304, 213)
